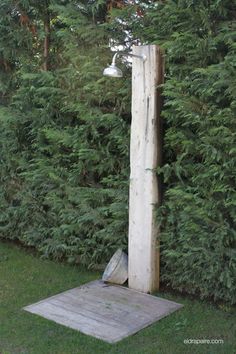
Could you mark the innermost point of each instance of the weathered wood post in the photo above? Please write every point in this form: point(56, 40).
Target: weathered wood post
point(145, 157)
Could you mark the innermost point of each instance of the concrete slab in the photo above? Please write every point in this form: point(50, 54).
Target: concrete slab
point(108, 312)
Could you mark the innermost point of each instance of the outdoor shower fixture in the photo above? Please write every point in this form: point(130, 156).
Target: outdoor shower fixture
point(145, 158)
point(113, 71)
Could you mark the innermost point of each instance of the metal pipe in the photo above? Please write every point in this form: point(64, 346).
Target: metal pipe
point(142, 57)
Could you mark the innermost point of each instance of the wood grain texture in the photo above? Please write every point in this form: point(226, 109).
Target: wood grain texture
point(107, 312)
point(145, 157)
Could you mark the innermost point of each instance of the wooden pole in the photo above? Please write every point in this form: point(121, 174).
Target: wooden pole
point(145, 157)
point(46, 46)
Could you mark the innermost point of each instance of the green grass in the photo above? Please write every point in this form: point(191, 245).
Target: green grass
point(25, 279)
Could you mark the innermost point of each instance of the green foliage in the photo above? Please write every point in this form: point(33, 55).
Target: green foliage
point(198, 215)
point(65, 143)
point(197, 218)
point(65, 134)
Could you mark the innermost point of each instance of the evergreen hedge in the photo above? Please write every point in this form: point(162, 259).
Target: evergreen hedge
point(65, 135)
point(198, 216)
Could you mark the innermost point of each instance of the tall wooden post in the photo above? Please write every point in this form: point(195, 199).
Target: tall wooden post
point(145, 157)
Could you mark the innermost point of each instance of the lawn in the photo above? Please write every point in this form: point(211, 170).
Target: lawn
point(25, 279)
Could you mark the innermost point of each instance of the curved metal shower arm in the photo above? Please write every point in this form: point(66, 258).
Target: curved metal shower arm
point(142, 57)
point(114, 58)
